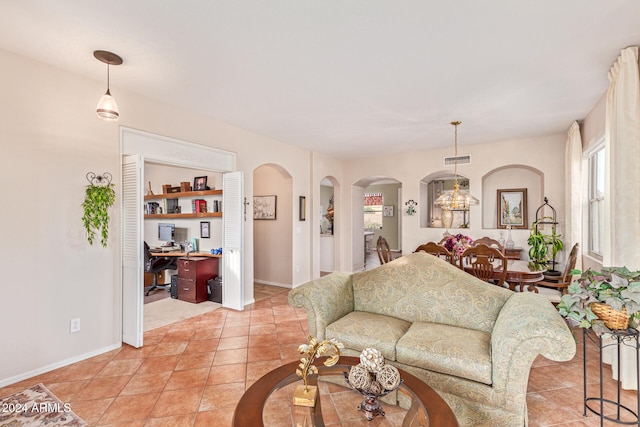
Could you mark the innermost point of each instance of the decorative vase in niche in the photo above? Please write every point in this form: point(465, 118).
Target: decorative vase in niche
point(447, 218)
point(509, 243)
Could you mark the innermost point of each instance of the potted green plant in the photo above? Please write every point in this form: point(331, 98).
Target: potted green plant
point(540, 243)
point(98, 199)
point(616, 287)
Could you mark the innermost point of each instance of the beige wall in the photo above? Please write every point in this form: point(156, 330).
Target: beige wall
point(159, 175)
point(545, 154)
point(272, 238)
point(51, 139)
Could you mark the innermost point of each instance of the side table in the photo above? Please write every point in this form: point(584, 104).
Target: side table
point(623, 414)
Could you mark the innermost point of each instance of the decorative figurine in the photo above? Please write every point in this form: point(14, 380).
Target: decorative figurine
point(305, 395)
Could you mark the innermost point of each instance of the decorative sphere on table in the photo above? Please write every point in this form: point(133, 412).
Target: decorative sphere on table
point(388, 377)
point(375, 388)
point(359, 377)
point(371, 359)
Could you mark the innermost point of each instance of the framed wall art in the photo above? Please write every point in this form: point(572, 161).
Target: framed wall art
point(264, 207)
point(199, 183)
point(205, 229)
point(512, 208)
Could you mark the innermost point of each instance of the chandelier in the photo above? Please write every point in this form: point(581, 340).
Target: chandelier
point(456, 199)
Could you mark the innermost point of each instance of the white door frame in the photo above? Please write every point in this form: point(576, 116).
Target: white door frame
point(170, 151)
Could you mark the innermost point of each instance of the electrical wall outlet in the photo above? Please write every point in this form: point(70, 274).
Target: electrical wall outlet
point(74, 326)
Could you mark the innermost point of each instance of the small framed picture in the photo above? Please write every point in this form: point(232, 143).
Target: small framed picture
point(199, 183)
point(302, 208)
point(264, 207)
point(387, 210)
point(512, 208)
point(205, 227)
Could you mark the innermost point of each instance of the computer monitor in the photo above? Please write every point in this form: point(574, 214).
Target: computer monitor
point(166, 232)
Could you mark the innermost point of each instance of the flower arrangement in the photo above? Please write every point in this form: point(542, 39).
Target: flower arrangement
point(458, 243)
point(617, 287)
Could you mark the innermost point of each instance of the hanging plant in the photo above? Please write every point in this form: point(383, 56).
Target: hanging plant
point(99, 197)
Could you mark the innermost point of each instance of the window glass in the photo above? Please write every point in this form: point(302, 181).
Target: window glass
point(596, 201)
point(373, 211)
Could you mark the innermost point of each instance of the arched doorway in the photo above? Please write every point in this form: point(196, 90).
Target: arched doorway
point(377, 211)
point(272, 226)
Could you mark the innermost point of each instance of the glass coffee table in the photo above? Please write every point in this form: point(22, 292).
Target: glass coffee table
point(268, 402)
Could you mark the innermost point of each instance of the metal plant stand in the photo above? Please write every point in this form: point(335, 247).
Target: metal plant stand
point(596, 405)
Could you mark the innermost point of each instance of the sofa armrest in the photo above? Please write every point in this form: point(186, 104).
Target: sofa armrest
point(527, 325)
point(326, 300)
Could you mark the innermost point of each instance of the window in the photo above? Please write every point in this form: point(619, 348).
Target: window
point(596, 201)
point(373, 211)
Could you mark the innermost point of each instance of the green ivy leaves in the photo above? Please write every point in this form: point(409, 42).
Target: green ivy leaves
point(98, 199)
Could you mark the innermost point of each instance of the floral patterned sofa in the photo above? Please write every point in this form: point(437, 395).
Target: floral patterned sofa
point(471, 341)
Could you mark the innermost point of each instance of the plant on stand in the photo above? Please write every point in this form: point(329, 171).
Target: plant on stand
point(539, 244)
point(603, 300)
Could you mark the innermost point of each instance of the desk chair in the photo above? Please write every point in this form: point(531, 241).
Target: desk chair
point(480, 263)
point(155, 265)
point(385, 254)
point(553, 287)
point(437, 250)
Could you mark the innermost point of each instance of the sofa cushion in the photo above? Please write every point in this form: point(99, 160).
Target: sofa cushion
point(422, 287)
point(447, 349)
point(359, 330)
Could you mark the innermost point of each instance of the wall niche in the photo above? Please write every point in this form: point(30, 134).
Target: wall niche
point(510, 177)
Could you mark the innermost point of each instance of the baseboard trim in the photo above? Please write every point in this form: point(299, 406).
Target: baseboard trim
point(16, 378)
point(264, 282)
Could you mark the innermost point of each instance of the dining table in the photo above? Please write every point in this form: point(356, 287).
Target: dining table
point(519, 274)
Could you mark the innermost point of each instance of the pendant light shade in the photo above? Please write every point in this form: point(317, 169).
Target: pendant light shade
point(455, 199)
point(107, 108)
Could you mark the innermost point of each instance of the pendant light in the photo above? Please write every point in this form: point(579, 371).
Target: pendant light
point(456, 199)
point(107, 108)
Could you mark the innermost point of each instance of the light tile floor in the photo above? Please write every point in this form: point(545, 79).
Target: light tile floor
point(192, 373)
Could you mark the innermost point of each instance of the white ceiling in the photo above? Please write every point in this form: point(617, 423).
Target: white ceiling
point(351, 78)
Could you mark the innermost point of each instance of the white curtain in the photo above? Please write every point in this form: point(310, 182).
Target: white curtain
point(573, 194)
point(622, 174)
point(622, 183)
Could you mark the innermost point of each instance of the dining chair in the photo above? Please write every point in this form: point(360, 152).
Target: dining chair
point(486, 263)
point(489, 242)
point(437, 250)
point(385, 254)
point(553, 287)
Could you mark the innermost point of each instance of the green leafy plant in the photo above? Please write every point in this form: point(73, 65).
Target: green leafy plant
point(540, 243)
point(617, 286)
point(98, 199)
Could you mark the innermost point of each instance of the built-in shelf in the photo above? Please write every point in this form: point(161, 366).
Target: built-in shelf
point(185, 215)
point(184, 194)
point(179, 195)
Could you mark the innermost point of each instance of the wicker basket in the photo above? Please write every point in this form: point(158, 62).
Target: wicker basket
point(614, 320)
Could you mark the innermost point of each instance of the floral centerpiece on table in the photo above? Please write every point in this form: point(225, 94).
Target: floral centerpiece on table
point(457, 244)
point(617, 287)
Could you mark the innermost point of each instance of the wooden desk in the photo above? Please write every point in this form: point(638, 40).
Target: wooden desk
point(184, 254)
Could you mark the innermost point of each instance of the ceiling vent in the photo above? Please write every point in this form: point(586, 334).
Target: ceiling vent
point(460, 160)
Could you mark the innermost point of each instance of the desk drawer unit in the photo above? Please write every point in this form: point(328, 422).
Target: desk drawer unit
point(193, 274)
